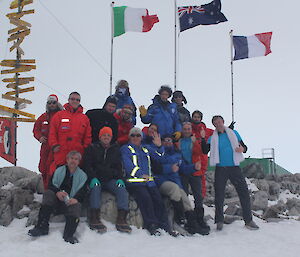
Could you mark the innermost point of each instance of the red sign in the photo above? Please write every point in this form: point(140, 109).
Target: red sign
point(7, 140)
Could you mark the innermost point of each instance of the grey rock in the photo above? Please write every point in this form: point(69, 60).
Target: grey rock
point(23, 213)
point(262, 184)
point(271, 212)
point(294, 211)
point(274, 188)
point(274, 220)
point(293, 203)
point(232, 209)
point(20, 197)
point(228, 219)
point(260, 201)
point(32, 218)
point(6, 216)
point(292, 186)
point(5, 197)
point(253, 170)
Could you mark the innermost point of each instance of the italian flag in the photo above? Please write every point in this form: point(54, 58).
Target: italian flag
point(132, 19)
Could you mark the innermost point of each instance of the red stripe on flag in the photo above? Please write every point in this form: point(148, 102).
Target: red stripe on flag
point(149, 21)
point(265, 38)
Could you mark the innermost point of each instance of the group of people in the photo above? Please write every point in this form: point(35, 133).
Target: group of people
point(83, 154)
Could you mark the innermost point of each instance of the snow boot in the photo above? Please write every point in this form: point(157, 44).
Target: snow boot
point(42, 227)
point(200, 218)
point(95, 222)
point(121, 223)
point(192, 226)
point(70, 228)
point(251, 225)
point(179, 216)
point(220, 226)
point(153, 230)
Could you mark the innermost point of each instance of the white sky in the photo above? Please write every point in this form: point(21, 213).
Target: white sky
point(266, 93)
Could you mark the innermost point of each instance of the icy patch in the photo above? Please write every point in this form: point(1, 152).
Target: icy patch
point(251, 186)
point(38, 198)
point(286, 194)
point(8, 186)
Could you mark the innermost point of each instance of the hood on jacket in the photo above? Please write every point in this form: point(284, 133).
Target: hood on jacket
point(69, 108)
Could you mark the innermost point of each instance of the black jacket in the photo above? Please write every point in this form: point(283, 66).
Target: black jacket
point(100, 118)
point(184, 114)
point(66, 186)
point(104, 164)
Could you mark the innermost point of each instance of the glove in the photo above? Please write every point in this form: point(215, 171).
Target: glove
point(95, 182)
point(231, 126)
point(120, 183)
point(177, 135)
point(143, 110)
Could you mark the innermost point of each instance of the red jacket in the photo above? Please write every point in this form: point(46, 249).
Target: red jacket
point(71, 131)
point(198, 127)
point(41, 128)
point(123, 129)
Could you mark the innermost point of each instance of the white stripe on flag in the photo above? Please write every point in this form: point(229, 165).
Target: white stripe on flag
point(255, 47)
point(133, 19)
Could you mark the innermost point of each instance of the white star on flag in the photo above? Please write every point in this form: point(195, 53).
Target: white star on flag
point(191, 21)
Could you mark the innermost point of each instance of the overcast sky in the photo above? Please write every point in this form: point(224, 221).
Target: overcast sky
point(266, 88)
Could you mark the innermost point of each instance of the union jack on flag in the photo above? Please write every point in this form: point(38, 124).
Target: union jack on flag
point(189, 9)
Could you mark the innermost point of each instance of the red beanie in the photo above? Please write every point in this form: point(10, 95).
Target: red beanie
point(52, 98)
point(105, 130)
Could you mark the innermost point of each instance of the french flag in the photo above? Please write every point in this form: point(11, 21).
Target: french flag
point(252, 46)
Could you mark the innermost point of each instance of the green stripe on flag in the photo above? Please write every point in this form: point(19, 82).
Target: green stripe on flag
point(119, 27)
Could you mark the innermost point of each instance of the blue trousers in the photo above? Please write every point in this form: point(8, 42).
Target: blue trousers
point(110, 186)
point(151, 206)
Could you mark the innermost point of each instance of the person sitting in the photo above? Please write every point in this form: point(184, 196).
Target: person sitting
point(103, 164)
point(124, 119)
point(140, 182)
point(66, 191)
point(170, 185)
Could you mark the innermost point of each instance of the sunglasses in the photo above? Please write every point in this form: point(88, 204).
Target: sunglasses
point(135, 135)
point(52, 102)
point(74, 99)
point(168, 140)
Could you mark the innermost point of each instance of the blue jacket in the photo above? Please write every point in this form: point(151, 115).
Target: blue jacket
point(123, 100)
point(142, 167)
point(165, 117)
point(170, 158)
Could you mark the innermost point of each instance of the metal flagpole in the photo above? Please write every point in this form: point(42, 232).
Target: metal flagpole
point(231, 62)
point(175, 50)
point(111, 47)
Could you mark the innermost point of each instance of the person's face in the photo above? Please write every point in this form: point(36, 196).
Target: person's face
point(73, 161)
point(125, 115)
point(178, 99)
point(52, 105)
point(105, 139)
point(219, 124)
point(164, 95)
point(135, 139)
point(197, 117)
point(187, 130)
point(110, 107)
point(152, 130)
point(74, 100)
point(167, 142)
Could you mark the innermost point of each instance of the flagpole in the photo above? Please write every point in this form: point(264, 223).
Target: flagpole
point(231, 63)
point(111, 47)
point(175, 47)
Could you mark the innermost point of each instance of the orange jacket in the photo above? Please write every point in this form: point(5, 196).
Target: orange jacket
point(70, 130)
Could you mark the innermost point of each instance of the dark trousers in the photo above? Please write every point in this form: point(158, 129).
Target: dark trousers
point(50, 199)
point(196, 186)
point(151, 206)
point(234, 174)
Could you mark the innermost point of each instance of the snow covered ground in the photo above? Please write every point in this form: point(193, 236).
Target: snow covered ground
point(273, 239)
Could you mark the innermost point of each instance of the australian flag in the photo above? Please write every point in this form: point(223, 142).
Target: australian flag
point(207, 14)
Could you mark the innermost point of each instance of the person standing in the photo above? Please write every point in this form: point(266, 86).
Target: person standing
point(179, 99)
point(162, 113)
point(41, 133)
point(66, 191)
point(104, 117)
point(192, 153)
point(226, 147)
point(123, 98)
point(69, 130)
point(103, 164)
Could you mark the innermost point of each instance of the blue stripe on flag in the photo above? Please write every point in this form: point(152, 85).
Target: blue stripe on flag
point(240, 44)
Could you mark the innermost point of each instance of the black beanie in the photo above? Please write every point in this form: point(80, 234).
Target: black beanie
point(110, 99)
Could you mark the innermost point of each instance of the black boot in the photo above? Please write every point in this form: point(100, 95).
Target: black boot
point(95, 222)
point(179, 216)
point(70, 228)
point(42, 227)
point(200, 218)
point(192, 225)
point(121, 223)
